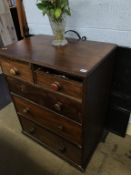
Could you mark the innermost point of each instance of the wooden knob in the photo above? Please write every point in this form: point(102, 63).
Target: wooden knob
point(62, 149)
point(55, 86)
point(14, 71)
point(26, 110)
point(32, 130)
point(58, 106)
point(22, 88)
point(60, 127)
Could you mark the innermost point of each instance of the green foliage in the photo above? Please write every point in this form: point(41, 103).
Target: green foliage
point(54, 8)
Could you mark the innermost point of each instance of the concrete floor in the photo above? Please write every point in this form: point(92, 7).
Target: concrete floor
point(20, 155)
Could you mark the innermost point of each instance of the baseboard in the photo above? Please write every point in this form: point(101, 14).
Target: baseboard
point(129, 129)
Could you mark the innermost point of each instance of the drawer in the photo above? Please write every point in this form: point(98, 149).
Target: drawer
point(17, 69)
point(56, 123)
point(56, 102)
point(59, 83)
point(51, 141)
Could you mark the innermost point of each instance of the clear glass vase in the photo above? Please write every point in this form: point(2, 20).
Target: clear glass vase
point(58, 28)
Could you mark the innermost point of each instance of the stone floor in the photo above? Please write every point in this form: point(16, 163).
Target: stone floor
point(20, 155)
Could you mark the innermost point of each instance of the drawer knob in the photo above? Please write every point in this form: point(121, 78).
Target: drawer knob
point(62, 149)
point(26, 110)
point(58, 106)
point(14, 71)
point(56, 86)
point(23, 88)
point(32, 130)
point(60, 127)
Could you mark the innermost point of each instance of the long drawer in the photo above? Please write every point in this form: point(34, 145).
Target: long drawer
point(57, 83)
point(58, 103)
point(17, 69)
point(53, 142)
point(56, 123)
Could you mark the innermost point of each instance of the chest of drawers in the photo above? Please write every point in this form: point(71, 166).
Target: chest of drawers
point(60, 94)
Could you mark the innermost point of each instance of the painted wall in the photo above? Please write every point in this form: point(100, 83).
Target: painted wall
point(101, 20)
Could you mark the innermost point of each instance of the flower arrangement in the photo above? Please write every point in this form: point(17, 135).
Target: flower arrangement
point(54, 8)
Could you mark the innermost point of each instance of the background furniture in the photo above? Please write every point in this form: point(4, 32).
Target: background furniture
point(7, 30)
point(120, 109)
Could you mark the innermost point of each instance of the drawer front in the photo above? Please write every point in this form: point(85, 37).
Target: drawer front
point(50, 120)
point(51, 141)
point(55, 83)
point(17, 69)
point(58, 103)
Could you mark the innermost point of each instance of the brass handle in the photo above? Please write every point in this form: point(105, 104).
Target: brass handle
point(32, 130)
point(14, 71)
point(26, 110)
point(56, 86)
point(62, 149)
point(58, 106)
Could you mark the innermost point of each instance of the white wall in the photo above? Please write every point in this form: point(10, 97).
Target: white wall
point(101, 20)
point(3, 6)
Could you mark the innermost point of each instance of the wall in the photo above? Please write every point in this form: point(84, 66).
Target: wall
point(3, 7)
point(101, 20)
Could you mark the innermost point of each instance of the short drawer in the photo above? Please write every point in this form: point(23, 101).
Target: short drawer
point(56, 102)
point(51, 141)
point(56, 123)
point(17, 69)
point(59, 83)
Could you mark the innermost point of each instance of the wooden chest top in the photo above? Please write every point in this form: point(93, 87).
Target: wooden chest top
point(78, 58)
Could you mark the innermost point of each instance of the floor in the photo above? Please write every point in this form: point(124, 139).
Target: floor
point(20, 155)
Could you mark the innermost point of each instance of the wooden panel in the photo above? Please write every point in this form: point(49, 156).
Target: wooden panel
point(16, 22)
point(58, 103)
point(16, 69)
point(53, 142)
point(48, 119)
point(54, 82)
point(97, 92)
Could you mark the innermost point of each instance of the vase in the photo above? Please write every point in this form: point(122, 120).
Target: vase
point(58, 29)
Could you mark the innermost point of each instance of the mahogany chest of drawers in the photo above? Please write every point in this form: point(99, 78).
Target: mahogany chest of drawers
point(60, 94)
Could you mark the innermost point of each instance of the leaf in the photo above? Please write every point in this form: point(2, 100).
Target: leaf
point(58, 13)
point(40, 6)
point(44, 11)
point(68, 12)
point(64, 3)
point(52, 12)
